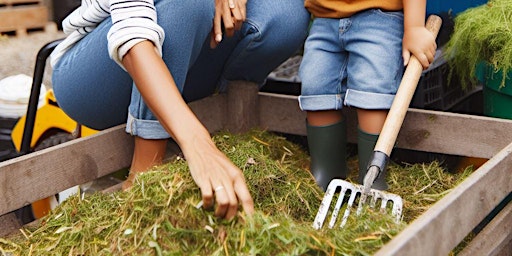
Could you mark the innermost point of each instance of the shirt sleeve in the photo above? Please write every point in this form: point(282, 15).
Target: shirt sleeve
point(133, 21)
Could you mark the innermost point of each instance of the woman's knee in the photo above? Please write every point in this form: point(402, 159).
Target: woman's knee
point(281, 24)
point(193, 12)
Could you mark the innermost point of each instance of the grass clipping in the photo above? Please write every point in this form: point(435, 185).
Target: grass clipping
point(481, 34)
point(158, 216)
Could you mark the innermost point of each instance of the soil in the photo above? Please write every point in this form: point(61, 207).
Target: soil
point(18, 53)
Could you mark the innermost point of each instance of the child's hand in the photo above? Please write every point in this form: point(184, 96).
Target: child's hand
point(418, 41)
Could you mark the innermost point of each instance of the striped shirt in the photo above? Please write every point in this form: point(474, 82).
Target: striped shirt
point(133, 21)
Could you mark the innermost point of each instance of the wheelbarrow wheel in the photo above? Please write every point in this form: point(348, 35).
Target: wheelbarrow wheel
point(53, 140)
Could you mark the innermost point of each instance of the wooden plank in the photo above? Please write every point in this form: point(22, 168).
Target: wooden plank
point(457, 134)
point(447, 222)
point(281, 113)
point(423, 130)
point(242, 106)
point(277, 113)
point(506, 250)
point(211, 111)
point(23, 17)
point(495, 238)
point(13, 2)
point(43, 173)
point(8, 223)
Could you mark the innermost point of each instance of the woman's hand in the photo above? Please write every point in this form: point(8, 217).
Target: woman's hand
point(212, 171)
point(218, 178)
point(231, 14)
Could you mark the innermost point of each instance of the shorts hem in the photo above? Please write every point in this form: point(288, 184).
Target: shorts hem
point(321, 102)
point(368, 100)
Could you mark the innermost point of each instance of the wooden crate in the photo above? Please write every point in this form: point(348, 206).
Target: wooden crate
point(436, 232)
point(20, 16)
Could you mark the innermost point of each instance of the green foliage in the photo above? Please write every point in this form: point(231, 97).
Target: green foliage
point(482, 34)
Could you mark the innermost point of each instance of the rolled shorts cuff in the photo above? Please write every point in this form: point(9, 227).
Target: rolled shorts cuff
point(368, 100)
point(146, 129)
point(321, 102)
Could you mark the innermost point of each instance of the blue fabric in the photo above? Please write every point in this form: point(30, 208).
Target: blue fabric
point(93, 90)
point(355, 61)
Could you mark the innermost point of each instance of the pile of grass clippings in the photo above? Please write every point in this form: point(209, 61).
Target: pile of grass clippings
point(158, 216)
point(482, 34)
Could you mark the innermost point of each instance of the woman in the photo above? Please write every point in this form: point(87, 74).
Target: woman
point(131, 61)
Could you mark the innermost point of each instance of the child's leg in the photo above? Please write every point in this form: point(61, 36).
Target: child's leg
point(327, 142)
point(375, 70)
point(323, 75)
point(370, 125)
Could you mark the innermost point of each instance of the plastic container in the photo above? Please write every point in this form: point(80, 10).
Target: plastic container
point(285, 78)
point(439, 6)
point(497, 98)
point(435, 92)
point(14, 96)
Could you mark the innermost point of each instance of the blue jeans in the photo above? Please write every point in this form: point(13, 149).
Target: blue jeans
point(355, 61)
point(93, 90)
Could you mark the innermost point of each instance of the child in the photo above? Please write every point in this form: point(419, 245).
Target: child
point(355, 56)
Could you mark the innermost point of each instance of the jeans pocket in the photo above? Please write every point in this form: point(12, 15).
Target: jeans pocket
point(393, 14)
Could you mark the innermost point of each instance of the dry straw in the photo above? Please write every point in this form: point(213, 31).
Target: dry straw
point(158, 216)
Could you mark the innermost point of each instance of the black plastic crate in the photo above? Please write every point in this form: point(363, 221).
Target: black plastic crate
point(436, 91)
point(285, 78)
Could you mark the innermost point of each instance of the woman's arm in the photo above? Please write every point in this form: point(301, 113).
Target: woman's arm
point(417, 40)
point(210, 168)
point(132, 22)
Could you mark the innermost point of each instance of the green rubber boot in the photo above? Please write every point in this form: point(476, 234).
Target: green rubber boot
point(365, 146)
point(328, 152)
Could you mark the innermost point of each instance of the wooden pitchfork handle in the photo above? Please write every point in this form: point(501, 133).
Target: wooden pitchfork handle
point(403, 96)
point(396, 114)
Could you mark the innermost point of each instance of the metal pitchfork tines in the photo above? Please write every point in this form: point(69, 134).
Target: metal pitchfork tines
point(353, 191)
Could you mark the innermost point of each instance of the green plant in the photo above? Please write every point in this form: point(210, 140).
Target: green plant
point(482, 34)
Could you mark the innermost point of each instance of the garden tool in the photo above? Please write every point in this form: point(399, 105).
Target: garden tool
point(378, 161)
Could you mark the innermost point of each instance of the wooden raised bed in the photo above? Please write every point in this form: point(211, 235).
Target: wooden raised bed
point(436, 232)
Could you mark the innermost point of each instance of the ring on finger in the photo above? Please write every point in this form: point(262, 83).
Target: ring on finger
point(219, 188)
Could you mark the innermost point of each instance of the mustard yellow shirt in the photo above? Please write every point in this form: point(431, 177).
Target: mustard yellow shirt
point(345, 8)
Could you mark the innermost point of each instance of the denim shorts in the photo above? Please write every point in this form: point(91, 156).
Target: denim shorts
point(355, 61)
